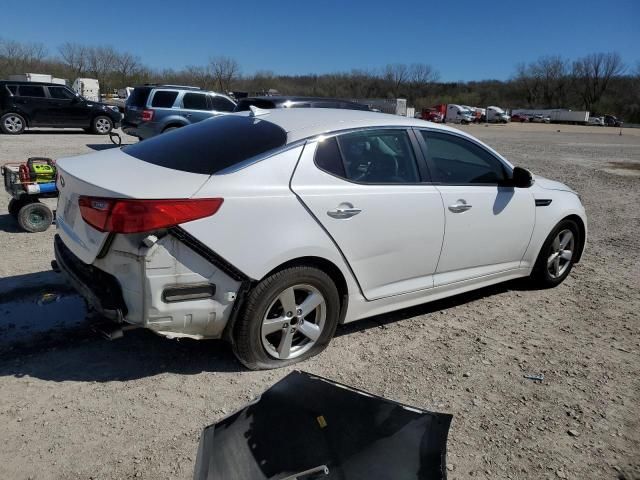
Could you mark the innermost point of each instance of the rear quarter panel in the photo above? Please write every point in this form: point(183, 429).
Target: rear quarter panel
point(262, 224)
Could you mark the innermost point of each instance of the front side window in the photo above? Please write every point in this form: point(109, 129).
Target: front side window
point(455, 160)
point(31, 91)
point(61, 93)
point(370, 156)
point(195, 101)
point(163, 99)
point(13, 89)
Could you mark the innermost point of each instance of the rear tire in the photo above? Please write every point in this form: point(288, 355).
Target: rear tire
point(277, 328)
point(557, 255)
point(14, 207)
point(12, 124)
point(169, 129)
point(101, 125)
point(35, 217)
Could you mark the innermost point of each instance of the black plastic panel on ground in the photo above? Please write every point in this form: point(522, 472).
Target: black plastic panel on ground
point(304, 423)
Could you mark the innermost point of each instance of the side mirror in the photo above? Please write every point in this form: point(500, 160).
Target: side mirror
point(521, 178)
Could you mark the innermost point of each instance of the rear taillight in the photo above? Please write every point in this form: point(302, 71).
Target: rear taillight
point(147, 115)
point(120, 215)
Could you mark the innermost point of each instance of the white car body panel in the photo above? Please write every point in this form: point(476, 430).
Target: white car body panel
point(405, 247)
point(500, 219)
point(384, 262)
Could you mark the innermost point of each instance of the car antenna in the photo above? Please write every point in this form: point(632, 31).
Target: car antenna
point(255, 111)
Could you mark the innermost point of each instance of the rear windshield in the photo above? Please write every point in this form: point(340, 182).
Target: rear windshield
point(243, 105)
point(138, 97)
point(211, 145)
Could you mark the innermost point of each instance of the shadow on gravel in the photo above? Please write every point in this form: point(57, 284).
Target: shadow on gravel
point(83, 356)
point(9, 224)
point(80, 354)
point(98, 147)
point(431, 307)
point(55, 132)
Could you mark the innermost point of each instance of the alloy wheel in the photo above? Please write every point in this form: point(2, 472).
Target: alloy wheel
point(561, 253)
point(293, 322)
point(102, 125)
point(13, 123)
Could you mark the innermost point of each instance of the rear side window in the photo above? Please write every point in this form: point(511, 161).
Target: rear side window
point(221, 104)
point(210, 146)
point(195, 101)
point(328, 157)
point(163, 99)
point(139, 97)
point(31, 91)
point(13, 89)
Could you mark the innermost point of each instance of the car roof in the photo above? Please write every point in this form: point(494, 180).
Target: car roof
point(310, 122)
point(278, 99)
point(26, 82)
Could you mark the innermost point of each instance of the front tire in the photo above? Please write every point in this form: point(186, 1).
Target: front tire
point(288, 317)
point(101, 125)
point(557, 256)
point(12, 124)
point(35, 217)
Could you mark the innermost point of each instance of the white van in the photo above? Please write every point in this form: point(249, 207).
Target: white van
point(89, 88)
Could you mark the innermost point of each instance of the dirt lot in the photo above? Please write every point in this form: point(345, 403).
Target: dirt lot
point(75, 406)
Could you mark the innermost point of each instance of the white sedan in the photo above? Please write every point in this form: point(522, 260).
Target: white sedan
point(270, 228)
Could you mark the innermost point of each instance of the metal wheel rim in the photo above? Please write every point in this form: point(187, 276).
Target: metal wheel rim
point(13, 123)
point(102, 125)
point(561, 253)
point(293, 322)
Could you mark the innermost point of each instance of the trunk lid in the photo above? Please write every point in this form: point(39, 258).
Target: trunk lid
point(114, 174)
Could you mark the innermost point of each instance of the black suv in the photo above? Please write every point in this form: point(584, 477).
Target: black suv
point(35, 104)
point(297, 102)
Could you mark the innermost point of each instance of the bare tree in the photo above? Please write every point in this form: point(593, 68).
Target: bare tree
point(74, 56)
point(552, 74)
point(592, 74)
point(396, 74)
point(16, 57)
point(127, 66)
point(225, 70)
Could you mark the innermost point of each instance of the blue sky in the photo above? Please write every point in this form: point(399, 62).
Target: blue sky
point(463, 40)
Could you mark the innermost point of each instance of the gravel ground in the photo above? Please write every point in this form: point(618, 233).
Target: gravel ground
point(75, 406)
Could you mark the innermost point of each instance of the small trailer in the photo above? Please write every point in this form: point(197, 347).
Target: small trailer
point(27, 183)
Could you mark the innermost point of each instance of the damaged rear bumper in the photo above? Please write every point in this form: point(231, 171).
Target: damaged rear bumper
point(166, 285)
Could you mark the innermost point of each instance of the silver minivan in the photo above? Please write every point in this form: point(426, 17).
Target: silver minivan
point(154, 109)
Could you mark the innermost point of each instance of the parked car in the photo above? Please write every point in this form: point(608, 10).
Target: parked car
point(540, 119)
point(37, 104)
point(154, 109)
point(599, 121)
point(611, 121)
point(520, 117)
point(270, 229)
point(267, 102)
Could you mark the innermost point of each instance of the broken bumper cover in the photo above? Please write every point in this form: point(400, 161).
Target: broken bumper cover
point(332, 431)
point(101, 290)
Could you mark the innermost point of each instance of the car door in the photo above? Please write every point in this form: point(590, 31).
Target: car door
point(66, 108)
point(195, 107)
point(369, 191)
point(488, 226)
point(32, 101)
